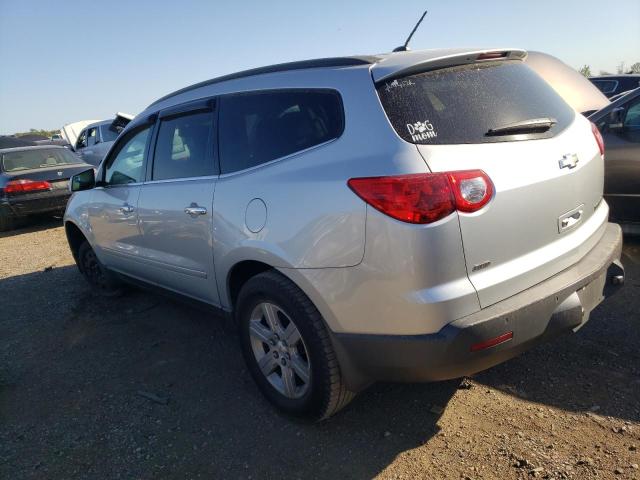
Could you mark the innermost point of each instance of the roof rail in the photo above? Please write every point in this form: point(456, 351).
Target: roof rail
point(282, 67)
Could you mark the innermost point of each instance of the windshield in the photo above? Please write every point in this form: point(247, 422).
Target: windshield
point(463, 104)
point(34, 159)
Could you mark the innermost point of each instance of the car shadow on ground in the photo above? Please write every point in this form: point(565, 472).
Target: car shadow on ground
point(594, 370)
point(158, 389)
point(151, 388)
point(33, 224)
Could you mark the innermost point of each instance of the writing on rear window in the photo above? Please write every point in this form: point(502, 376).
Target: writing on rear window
point(421, 131)
point(399, 83)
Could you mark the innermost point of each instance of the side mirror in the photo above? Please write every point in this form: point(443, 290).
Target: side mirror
point(83, 181)
point(616, 118)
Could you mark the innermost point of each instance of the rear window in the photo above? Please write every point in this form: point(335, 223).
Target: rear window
point(34, 159)
point(461, 104)
point(258, 127)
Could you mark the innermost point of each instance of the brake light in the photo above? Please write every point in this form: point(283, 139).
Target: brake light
point(492, 55)
point(425, 197)
point(599, 139)
point(26, 186)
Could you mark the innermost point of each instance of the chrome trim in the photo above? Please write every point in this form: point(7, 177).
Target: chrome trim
point(155, 263)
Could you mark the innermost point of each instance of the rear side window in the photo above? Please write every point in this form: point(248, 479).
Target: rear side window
point(184, 147)
point(461, 104)
point(256, 128)
point(606, 86)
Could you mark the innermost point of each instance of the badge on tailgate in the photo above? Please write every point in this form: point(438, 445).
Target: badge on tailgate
point(570, 160)
point(568, 220)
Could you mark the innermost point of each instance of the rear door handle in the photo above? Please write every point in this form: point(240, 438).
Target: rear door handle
point(194, 210)
point(126, 209)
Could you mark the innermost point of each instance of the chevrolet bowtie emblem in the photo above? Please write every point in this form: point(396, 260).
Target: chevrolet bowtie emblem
point(570, 160)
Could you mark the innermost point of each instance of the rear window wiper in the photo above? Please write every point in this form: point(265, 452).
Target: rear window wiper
point(532, 125)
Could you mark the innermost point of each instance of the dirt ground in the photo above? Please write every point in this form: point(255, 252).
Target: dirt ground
point(143, 387)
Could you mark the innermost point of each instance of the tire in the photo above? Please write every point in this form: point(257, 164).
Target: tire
point(6, 223)
point(309, 383)
point(102, 281)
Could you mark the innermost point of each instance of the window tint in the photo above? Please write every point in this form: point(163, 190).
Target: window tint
point(259, 127)
point(126, 165)
point(108, 134)
point(184, 147)
point(460, 104)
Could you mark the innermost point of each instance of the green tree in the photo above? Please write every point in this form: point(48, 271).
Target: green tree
point(585, 70)
point(635, 68)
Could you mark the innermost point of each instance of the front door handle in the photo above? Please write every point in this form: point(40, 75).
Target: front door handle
point(194, 210)
point(126, 209)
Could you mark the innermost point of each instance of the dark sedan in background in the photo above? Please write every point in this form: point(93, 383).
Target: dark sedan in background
point(612, 85)
point(619, 124)
point(35, 180)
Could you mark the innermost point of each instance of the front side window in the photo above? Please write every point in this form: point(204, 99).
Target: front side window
point(184, 147)
point(256, 128)
point(632, 117)
point(109, 133)
point(126, 164)
point(92, 135)
point(82, 140)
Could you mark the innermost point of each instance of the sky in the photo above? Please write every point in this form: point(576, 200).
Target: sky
point(64, 61)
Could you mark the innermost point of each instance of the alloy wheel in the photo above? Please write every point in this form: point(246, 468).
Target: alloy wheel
point(279, 350)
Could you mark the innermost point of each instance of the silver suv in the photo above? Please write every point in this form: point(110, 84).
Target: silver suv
point(415, 216)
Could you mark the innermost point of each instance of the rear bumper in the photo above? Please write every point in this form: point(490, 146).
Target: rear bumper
point(20, 206)
point(554, 306)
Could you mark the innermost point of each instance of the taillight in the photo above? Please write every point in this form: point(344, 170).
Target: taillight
point(472, 188)
point(26, 186)
point(425, 197)
point(599, 139)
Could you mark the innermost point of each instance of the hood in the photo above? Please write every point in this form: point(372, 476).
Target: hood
point(572, 86)
point(71, 131)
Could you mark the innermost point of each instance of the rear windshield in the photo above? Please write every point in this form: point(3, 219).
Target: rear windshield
point(461, 104)
point(606, 86)
point(33, 159)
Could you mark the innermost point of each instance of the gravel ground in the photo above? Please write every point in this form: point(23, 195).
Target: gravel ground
point(143, 387)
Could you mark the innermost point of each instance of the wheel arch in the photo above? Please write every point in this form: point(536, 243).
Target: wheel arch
point(75, 237)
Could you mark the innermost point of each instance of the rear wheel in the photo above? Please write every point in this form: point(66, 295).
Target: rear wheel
point(103, 281)
point(287, 348)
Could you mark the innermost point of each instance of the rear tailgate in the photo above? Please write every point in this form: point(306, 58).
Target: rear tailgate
point(547, 211)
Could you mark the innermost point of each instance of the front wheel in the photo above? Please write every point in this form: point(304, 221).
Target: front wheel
point(287, 348)
point(103, 281)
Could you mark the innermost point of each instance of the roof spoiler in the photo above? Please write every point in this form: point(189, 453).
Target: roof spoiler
point(402, 64)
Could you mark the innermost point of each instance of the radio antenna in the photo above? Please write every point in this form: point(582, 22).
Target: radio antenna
point(404, 47)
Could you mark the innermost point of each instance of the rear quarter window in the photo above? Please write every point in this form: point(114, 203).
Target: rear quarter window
point(259, 127)
point(460, 104)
